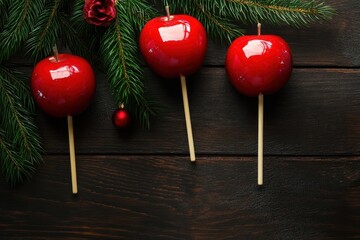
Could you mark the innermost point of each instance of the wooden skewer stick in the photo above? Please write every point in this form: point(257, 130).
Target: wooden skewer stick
point(167, 10)
point(187, 118)
point(72, 155)
point(56, 52)
point(260, 132)
point(260, 139)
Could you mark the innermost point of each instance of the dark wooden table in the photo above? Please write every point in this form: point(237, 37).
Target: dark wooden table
point(141, 184)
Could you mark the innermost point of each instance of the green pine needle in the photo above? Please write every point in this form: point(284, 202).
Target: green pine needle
point(139, 12)
point(19, 139)
point(79, 36)
point(119, 51)
point(22, 16)
point(295, 12)
point(217, 27)
point(3, 13)
point(45, 32)
point(219, 16)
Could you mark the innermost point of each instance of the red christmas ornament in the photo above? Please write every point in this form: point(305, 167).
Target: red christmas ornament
point(259, 64)
point(121, 118)
point(64, 86)
point(173, 45)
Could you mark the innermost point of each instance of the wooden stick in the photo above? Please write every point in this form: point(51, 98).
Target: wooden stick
point(56, 53)
point(167, 10)
point(187, 118)
point(72, 155)
point(260, 139)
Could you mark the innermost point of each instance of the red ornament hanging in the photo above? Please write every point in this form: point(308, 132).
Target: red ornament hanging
point(121, 118)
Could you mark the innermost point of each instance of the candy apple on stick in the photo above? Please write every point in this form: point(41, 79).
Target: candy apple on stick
point(174, 46)
point(258, 65)
point(63, 85)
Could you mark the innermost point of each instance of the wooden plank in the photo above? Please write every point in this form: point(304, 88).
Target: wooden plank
point(167, 197)
point(317, 113)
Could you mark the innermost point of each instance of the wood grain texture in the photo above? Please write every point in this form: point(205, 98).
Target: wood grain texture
point(317, 113)
point(162, 197)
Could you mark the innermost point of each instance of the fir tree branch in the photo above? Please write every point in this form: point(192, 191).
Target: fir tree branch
point(22, 17)
point(119, 53)
point(295, 12)
point(139, 12)
point(78, 42)
point(218, 15)
point(218, 28)
point(20, 142)
point(45, 33)
point(79, 36)
point(11, 167)
point(4, 9)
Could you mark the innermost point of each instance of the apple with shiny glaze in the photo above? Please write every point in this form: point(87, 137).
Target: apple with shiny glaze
point(63, 86)
point(259, 64)
point(174, 45)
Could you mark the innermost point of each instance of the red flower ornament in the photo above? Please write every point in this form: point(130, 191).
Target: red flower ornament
point(99, 12)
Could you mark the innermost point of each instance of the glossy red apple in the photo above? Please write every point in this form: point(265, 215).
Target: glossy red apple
point(259, 64)
point(64, 86)
point(173, 45)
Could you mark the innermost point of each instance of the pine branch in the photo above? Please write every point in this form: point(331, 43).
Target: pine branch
point(79, 42)
point(218, 16)
point(119, 53)
point(11, 167)
point(217, 27)
point(45, 33)
point(19, 139)
point(4, 9)
point(22, 17)
point(82, 38)
point(139, 12)
point(294, 12)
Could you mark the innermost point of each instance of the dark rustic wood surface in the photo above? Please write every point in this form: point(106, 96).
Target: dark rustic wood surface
point(139, 184)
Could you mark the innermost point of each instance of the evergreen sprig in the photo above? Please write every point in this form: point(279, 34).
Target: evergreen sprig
point(79, 36)
point(219, 16)
point(45, 32)
point(22, 16)
point(20, 145)
point(119, 49)
point(3, 12)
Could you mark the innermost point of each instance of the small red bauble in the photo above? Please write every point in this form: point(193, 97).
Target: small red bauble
point(258, 64)
point(121, 118)
point(64, 86)
point(174, 45)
